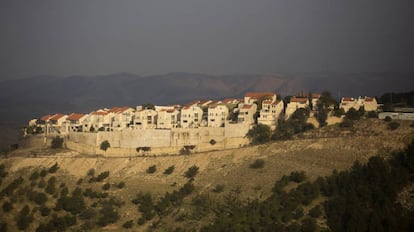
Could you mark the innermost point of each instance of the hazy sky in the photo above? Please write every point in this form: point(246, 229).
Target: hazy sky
point(91, 37)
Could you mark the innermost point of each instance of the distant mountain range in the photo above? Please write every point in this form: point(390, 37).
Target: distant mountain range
point(22, 99)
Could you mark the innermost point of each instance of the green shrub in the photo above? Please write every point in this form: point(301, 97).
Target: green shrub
point(7, 206)
point(54, 168)
point(91, 172)
point(352, 114)
point(41, 184)
point(44, 211)
point(152, 169)
point(57, 142)
point(105, 145)
point(258, 163)
point(120, 185)
point(128, 224)
point(372, 114)
point(393, 125)
point(106, 186)
point(100, 177)
point(34, 176)
point(346, 123)
point(315, 212)
point(169, 170)
point(297, 176)
point(219, 188)
point(259, 134)
point(24, 219)
point(191, 172)
point(43, 173)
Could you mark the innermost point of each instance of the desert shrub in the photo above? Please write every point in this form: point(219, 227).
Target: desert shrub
point(212, 142)
point(91, 172)
point(372, 114)
point(258, 163)
point(43, 172)
point(24, 218)
point(44, 211)
point(191, 172)
point(309, 225)
point(315, 212)
point(51, 185)
point(12, 186)
point(152, 169)
point(128, 224)
point(120, 185)
point(34, 176)
point(79, 182)
point(107, 215)
point(388, 119)
point(219, 188)
point(297, 176)
point(106, 186)
point(105, 145)
point(100, 177)
point(87, 214)
point(3, 227)
point(7, 206)
point(298, 213)
point(259, 134)
point(39, 198)
point(41, 184)
point(393, 125)
point(346, 123)
point(57, 142)
point(352, 114)
point(169, 170)
point(54, 168)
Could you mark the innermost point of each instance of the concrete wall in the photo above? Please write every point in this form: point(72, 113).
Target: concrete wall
point(125, 143)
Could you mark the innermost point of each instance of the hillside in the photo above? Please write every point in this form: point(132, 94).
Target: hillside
point(317, 155)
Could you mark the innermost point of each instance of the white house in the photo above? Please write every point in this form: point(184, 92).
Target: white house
point(315, 100)
point(98, 120)
point(246, 113)
point(191, 115)
point(217, 115)
point(122, 117)
point(294, 104)
point(270, 112)
point(251, 98)
point(74, 122)
point(145, 119)
point(370, 104)
point(168, 118)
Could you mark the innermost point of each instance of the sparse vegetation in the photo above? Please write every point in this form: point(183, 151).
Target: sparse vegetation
point(169, 170)
point(151, 169)
point(258, 163)
point(191, 172)
point(219, 188)
point(393, 125)
point(105, 145)
point(259, 134)
point(57, 142)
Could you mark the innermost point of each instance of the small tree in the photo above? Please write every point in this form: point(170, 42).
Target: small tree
point(152, 169)
point(191, 172)
point(57, 142)
point(259, 134)
point(258, 163)
point(105, 145)
point(169, 170)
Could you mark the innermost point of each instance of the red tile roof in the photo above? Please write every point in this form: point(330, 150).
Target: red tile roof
point(46, 117)
point(348, 99)
point(247, 107)
point(299, 99)
point(257, 95)
point(56, 117)
point(75, 116)
point(118, 109)
point(195, 102)
point(99, 113)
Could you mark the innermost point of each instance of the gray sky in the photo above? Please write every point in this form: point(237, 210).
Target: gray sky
point(91, 37)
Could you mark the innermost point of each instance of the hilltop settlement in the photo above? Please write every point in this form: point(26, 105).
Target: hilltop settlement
point(200, 125)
